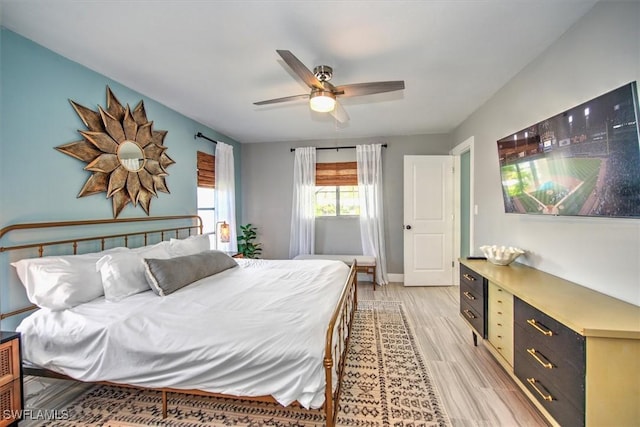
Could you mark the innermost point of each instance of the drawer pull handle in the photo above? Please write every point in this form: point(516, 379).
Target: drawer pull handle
point(469, 314)
point(469, 277)
point(536, 355)
point(469, 296)
point(533, 382)
point(533, 323)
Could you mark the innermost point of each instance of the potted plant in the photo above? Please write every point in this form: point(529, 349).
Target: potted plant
point(246, 245)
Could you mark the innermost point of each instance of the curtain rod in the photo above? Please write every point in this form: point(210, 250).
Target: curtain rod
point(337, 148)
point(200, 135)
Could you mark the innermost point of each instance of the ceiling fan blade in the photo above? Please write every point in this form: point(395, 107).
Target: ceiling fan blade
point(285, 99)
point(300, 69)
point(339, 113)
point(358, 89)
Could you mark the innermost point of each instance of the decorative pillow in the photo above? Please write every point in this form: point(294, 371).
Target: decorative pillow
point(61, 282)
point(189, 246)
point(123, 273)
point(166, 276)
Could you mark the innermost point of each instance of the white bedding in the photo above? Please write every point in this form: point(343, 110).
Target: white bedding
point(253, 330)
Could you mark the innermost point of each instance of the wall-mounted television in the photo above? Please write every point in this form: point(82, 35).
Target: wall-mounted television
point(584, 161)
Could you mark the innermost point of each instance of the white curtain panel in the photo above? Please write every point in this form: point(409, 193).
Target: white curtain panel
point(303, 217)
point(369, 158)
point(225, 195)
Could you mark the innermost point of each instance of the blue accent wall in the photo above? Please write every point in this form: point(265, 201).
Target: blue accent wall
point(37, 182)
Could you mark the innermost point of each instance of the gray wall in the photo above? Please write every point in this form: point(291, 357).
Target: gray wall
point(600, 53)
point(267, 184)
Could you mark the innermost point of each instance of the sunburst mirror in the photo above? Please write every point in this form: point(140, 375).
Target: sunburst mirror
point(126, 156)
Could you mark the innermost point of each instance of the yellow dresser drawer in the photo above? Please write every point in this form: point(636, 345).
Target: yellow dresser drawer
point(500, 321)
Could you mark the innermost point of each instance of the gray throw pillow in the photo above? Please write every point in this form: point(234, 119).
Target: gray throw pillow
point(166, 276)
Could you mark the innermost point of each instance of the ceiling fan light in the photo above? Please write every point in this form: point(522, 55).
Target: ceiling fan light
point(322, 101)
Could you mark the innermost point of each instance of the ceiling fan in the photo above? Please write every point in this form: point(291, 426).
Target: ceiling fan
point(322, 97)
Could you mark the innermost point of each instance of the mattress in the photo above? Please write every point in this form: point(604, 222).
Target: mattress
point(253, 330)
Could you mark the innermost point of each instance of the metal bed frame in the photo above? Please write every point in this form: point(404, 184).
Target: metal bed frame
point(338, 329)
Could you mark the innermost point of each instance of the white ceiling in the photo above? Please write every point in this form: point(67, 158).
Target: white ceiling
point(210, 60)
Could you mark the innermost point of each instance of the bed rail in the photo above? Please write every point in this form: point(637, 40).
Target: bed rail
point(174, 231)
point(336, 351)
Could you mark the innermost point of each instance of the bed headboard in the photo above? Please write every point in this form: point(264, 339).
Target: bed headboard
point(29, 240)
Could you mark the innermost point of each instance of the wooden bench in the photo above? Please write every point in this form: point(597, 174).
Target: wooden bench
point(364, 264)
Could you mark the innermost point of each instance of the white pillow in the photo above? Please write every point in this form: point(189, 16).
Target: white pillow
point(189, 246)
point(61, 282)
point(157, 251)
point(123, 273)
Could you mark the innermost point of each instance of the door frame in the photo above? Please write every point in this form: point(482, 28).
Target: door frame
point(456, 152)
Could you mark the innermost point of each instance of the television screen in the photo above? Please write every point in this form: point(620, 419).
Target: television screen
point(584, 161)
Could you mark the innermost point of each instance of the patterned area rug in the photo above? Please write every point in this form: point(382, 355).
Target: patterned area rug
point(386, 383)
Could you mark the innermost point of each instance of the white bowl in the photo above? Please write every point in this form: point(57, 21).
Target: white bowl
point(501, 255)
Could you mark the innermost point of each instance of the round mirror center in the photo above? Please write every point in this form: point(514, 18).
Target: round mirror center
point(131, 156)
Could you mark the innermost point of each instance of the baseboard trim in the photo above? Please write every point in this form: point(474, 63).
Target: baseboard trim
point(396, 278)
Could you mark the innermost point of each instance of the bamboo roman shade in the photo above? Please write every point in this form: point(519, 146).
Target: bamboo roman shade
point(343, 173)
point(206, 170)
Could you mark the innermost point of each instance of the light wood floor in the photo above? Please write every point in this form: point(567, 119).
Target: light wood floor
point(474, 388)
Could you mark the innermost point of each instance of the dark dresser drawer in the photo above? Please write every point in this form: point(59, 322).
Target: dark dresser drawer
point(472, 279)
point(475, 318)
point(544, 331)
point(472, 296)
point(549, 394)
point(552, 356)
point(552, 370)
point(563, 355)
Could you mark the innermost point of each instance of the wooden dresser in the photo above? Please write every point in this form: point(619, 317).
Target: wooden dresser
point(574, 352)
point(11, 400)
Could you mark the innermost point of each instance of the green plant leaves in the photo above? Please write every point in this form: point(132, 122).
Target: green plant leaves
point(246, 245)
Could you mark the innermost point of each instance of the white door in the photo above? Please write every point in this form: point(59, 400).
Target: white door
point(428, 220)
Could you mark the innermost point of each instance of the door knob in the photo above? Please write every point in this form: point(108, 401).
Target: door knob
point(408, 227)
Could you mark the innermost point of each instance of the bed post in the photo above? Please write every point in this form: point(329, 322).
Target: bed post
point(328, 399)
point(164, 404)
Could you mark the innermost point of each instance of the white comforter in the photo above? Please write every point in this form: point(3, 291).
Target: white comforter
point(253, 330)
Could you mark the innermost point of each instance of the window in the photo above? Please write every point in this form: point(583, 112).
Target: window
point(337, 200)
point(337, 189)
point(206, 191)
point(206, 209)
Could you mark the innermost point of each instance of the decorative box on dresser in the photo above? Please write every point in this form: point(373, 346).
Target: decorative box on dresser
point(574, 352)
point(11, 400)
